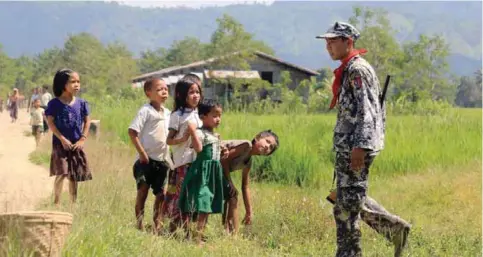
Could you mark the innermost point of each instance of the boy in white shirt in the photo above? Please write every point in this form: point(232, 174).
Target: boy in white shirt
point(44, 101)
point(148, 132)
point(37, 120)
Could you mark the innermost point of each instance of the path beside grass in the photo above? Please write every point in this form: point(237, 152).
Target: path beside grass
point(22, 183)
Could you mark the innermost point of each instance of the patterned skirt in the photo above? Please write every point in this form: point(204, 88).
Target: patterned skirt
point(72, 163)
point(175, 181)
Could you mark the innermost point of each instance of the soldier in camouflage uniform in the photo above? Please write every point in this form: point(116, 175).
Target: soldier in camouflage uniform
point(358, 138)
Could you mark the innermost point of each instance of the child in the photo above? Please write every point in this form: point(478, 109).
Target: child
point(239, 157)
point(35, 95)
point(44, 101)
point(202, 189)
point(68, 118)
point(37, 121)
point(187, 96)
point(148, 132)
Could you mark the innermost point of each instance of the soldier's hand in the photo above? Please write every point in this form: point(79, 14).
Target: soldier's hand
point(357, 159)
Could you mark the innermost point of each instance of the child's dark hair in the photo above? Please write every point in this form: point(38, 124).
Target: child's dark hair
point(193, 77)
point(267, 133)
point(60, 80)
point(46, 87)
point(149, 84)
point(181, 93)
point(206, 106)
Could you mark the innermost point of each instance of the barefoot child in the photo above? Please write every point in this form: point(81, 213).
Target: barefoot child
point(68, 118)
point(148, 132)
point(240, 154)
point(187, 96)
point(202, 189)
point(37, 121)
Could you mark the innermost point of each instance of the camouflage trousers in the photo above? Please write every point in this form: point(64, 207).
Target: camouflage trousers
point(353, 204)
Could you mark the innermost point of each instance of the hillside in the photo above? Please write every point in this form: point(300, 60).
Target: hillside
point(30, 27)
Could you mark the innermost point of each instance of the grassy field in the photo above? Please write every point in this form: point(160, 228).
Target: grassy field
point(413, 143)
point(429, 174)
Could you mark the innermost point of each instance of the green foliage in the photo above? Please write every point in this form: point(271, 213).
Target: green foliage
point(418, 68)
point(289, 27)
point(232, 45)
point(102, 68)
point(469, 91)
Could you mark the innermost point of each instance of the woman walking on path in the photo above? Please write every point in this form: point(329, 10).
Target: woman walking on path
point(13, 105)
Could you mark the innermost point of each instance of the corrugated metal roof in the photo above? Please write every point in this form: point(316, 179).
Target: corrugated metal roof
point(221, 74)
point(162, 72)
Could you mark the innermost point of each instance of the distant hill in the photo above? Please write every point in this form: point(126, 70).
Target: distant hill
point(288, 27)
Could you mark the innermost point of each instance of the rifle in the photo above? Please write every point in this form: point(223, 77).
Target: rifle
point(333, 193)
point(386, 85)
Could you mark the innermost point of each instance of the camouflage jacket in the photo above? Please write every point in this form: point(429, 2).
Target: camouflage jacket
point(360, 119)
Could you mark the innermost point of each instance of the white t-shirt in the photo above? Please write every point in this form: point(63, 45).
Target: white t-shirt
point(37, 117)
point(34, 97)
point(45, 99)
point(152, 127)
point(183, 153)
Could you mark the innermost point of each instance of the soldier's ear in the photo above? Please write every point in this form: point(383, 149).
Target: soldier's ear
point(350, 42)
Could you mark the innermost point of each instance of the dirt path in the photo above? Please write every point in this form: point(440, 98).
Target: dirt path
point(22, 184)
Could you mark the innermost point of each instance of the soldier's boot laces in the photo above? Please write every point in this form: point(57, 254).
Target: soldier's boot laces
point(400, 240)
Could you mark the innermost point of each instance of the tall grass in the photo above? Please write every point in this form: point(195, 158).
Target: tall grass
point(305, 158)
point(442, 204)
point(429, 174)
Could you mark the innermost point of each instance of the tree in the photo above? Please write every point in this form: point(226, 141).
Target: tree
point(378, 37)
point(418, 68)
point(153, 60)
point(186, 51)
point(424, 67)
point(85, 54)
point(233, 46)
point(46, 64)
point(121, 67)
point(24, 67)
point(469, 91)
point(7, 73)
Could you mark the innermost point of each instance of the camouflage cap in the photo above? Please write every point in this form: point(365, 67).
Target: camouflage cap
point(341, 29)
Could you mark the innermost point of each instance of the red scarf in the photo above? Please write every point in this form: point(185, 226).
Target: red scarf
point(338, 74)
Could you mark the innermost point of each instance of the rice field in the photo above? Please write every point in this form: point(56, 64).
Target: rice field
point(429, 174)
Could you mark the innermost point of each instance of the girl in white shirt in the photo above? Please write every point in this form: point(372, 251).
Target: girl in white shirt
point(187, 97)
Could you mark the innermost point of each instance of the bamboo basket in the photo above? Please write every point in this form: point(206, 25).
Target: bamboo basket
point(42, 233)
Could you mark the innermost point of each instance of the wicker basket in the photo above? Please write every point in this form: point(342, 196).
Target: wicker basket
point(40, 232)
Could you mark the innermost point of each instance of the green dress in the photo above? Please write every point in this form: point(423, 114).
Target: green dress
point(202, 189)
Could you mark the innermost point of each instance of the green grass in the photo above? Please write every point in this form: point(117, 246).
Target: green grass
point(442, 204)
point(413, 143)
point(429, 174)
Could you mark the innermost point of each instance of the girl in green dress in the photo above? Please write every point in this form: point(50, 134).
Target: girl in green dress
point(202, 189)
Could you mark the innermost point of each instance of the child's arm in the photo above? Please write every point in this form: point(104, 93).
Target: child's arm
point(65, 142)
point(174, 127)
point(143, 156)
point(196, 142)
point(85, 132)
point(172, 133)
point(225, 163)
point(246, 196)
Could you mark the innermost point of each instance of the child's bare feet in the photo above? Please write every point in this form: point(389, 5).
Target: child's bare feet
point(201, 244)
point(140, 226)
point(158, 230)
